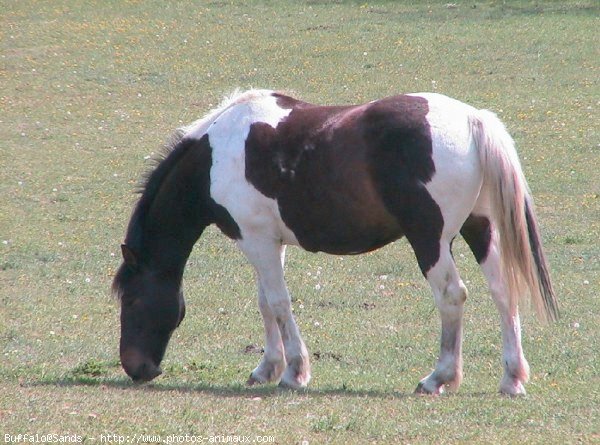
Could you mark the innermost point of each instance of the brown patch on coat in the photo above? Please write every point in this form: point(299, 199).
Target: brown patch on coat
point(350, 179)
point(477, 232)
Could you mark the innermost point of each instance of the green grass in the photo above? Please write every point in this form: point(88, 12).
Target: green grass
point(89, 91)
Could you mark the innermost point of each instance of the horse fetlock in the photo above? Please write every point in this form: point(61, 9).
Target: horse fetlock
point(511, 386)
point(267, 371)
point(448, 377)
point(516, 373)
point(297, 374)
point(454, 383)
point(516, 368)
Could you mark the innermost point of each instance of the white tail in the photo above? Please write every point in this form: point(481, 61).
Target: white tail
point(523, 261)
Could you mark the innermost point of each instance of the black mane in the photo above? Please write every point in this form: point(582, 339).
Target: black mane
point(148, 188)
point(151, 182)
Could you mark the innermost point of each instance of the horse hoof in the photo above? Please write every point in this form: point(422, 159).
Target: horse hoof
point(424, 391)
point(291, 386)
point(514, 390)
point(300, 382)
point(252, 381)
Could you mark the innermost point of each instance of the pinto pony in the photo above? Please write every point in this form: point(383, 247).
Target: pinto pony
point(270, 170)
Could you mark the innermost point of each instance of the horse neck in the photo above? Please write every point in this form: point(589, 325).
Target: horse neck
point(170, 222)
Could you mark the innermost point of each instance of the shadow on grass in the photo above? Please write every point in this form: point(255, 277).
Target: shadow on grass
point(102, 374)
point(232, 390)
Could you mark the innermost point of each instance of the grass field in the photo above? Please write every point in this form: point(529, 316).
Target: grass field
point(89, 92)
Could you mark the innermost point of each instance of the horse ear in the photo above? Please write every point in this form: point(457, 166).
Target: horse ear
point(129, 256)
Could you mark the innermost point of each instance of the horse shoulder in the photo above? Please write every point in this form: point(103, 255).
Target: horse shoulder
point(229, 137)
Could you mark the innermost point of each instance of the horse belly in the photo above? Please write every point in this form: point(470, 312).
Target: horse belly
point(345, 217)
point(348, 238)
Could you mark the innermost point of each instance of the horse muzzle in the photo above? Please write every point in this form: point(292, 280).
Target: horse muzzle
point(140, 368)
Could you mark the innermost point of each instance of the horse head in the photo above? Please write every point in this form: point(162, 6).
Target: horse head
point(152, 306)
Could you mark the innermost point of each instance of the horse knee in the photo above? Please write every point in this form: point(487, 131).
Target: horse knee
point(281, 309)
point(458, 292)
point(516, 366)
point(453, 294)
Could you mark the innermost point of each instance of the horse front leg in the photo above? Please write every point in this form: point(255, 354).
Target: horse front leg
point(275, 304)
point(273, 362)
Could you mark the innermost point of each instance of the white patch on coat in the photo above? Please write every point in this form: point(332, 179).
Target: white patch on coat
point(254, 213)
point(457, 179)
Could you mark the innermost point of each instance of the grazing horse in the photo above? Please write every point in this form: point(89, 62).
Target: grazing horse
point(270, 170)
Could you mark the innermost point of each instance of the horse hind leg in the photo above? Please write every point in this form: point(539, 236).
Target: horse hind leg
point(481, 237)
point(450, 294)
